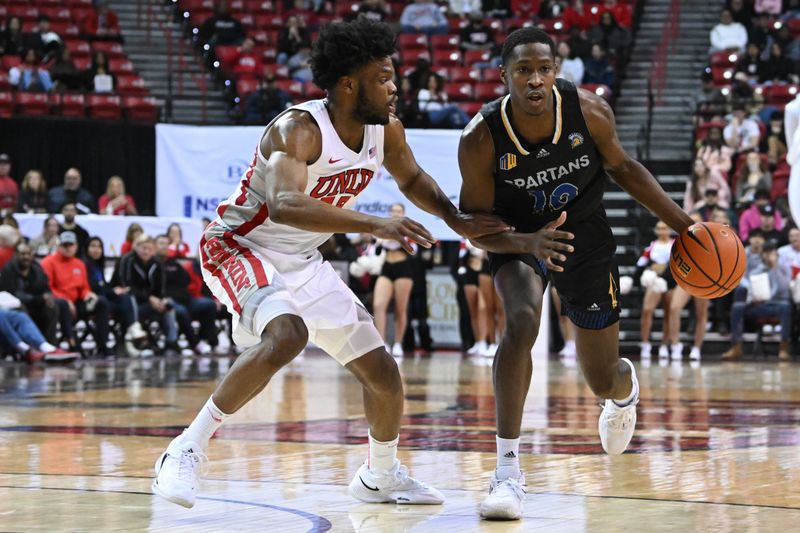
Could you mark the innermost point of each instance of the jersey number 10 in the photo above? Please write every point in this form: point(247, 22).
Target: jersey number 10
point(560, 197)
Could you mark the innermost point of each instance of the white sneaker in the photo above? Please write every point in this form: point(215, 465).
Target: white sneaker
point(676, 351)
point(478, 348)
point(203, 348)
point(694, 355)
point(645, 350)
point(506, 498)
point(135, 332)
point(392, 486)
point(663, 352)
point(568, 350)
point(397, 350)
point(490, 350)
point(616, 424)
point(177, 472)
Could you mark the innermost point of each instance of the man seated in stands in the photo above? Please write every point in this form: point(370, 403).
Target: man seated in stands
point(25, 279)
point(187, 308)
point(789, 255)
point(19, 334)
point(72, 191)
point(143, 275)
point(102, 24)
point(742, 132)
point(423, 16)
point(74, 297)
point(751, 217)
point(728, 35)
point(477, 35)
point(763, 293)
point(266, 103)
point(42, 39)
point(771, 232)
point(69, 210)
point(221, 28)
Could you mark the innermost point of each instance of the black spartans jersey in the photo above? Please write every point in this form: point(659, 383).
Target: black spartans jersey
point(534, 183)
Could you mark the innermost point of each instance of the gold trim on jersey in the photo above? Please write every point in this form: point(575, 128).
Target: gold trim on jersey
point(612, 290)
point(510, 130)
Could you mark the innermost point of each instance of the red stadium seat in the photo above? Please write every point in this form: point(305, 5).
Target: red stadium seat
point(191, 5)
point(516, 23)
point(105, 106)
point(345, 9)
point(447, 58)
point(56, 13)
point(458, 92)
point(111, 49)
point(6, 104)
point(79, 14)
point(10, 61)
point(599, 89)
point(24, 11)
point(724, 59)
point(313, 92)
point(120, 66)
point(260, 7)
point(721, 75)
point(82, 63)
point(78, 48)
point(196, 17)
point(269, 22)
point(245, 86)
point(485, 92)
point(476, 56)
point(456, 24)
point(445, 42)
point(67, 30)
point(278, 71)
point(412, 41)
point(33, 104)
point(462, 74)
point(78, 3)
point(470, 108)
point(780, 182)
point(552, 26)
point(4, 85)
point(141, 109)
point(410, 57)
point(69, 104)
point(778, 94)
point(491, 74)
point(226, 55)
point(247, 20)
point(131, 85)
point(294, 88)
point(702, 129)
point(269, 56)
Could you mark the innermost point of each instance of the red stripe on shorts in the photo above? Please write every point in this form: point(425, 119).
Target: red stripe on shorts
point(254, 222)
point(258, 268)
point(217, 273)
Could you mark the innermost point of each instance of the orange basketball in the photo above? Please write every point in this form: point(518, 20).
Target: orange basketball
point(707, 260)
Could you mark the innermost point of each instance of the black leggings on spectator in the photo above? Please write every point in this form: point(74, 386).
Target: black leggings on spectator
point(100, 314)
point(46, 319)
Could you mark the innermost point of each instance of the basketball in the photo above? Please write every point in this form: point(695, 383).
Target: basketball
point(707, 260)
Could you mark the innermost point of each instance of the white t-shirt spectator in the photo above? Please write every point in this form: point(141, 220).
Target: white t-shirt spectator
point(789, 257)
point(745, 136)
point(464, 7)
point(422, 16)
point(572, 70)
point(726, 36)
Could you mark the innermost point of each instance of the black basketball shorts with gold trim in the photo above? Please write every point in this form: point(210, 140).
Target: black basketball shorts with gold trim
point(589, 285)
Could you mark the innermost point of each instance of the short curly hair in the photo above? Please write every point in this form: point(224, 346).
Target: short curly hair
point(343, 47)
point(526, 36)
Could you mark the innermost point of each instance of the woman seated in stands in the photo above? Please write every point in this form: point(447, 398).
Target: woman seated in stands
point(66, 76)
point(30, 75)
point(702, 179)
point(752, 176)
point(47, 243)
point(115, 201)
point(432, 101)
point(177, 248)
point(33, 193)
point(99, 78)
point(134, 230)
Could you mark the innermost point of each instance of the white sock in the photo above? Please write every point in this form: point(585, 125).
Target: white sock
point(207, 421)
point(23, 347)
point(382, 454)
point(46, 347)
point(507, 458)
point(634, 389)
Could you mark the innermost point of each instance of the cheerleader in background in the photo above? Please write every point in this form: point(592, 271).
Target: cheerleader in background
point(658, 285)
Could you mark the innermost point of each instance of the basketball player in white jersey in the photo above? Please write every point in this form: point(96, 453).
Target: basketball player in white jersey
point(260, 255)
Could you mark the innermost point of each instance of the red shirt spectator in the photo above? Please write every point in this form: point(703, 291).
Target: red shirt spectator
point(9, 190)
point(622, 13)
point(247, 61)
point(115, 201)
point(177, 248)
point(577, 15)
point(102, 23)
point(68, 279)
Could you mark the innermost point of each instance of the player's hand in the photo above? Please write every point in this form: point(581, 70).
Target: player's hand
point(477, 225)
point(546, 243)
point(402, 230)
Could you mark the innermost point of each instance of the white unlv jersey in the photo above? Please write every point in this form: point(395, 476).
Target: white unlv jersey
point(337, 177)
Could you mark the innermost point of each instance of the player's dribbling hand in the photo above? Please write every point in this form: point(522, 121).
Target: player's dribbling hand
point(547, 245)
point(477, 225)
point(402, 230)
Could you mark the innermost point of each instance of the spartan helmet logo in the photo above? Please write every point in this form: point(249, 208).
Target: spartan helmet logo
point(575, 140)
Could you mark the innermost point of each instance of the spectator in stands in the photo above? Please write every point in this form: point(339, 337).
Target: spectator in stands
point(115, 201)
point(577, 15)
point(65, 75)
point(784, 37)
point(24, 278)
point(750, 177)
point(47, 243)
point(71, 192)
point(755, 302)
point(610, 35)
point(293, 37)
point(741, 133)
point(74, 297)
point(751, 217)
point(69, 211)
point(247, 61)
point(714, 152)
point(423, 16)
point(11, 37)
point(9, 192)
point(433, 102)
point(33, 193)
point(728, 35)
point(19, 333)
point(221, 28)
point(767, 7)
point(702, 179)
point(99, 77)
point(300, 65)
point(9, 237)
point(709, 205)
point(123, 307)
point(42, 39)
point(755, 245)
point(774, 143)
point(711, 102)
point(658, 285)
point(570, 67)
point(759, 32)
point(464, 8)
point(771, 232)
point(142, 274)
point(131, 234)
point(419, 76)
point(789, 254)
point(304, 13)
point(742, 12)
point(751, 63)
point(177, 247)
point(265, 103)
point(621, 11)
point(102, 24)
point(407, 106)
point(30, 75)
point(579, 46)
point(476, 35)
point(778, 68)
point(373, 10)
point(598, 69)
point(187, 308)
point(551, 9)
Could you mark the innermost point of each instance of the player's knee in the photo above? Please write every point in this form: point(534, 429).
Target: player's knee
point(603, 384)
point(522, 326)
point(382, 376)
point(284, 338)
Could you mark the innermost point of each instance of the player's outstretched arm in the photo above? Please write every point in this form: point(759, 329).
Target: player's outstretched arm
point(291, 145)
point(476, 160)
point(419, 187)
point(626, 171)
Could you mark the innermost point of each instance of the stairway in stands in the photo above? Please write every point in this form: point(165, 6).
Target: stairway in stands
point(154, 42)
point(670, 51)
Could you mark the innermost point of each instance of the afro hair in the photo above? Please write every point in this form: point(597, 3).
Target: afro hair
point(526, 36)
point(343, 47)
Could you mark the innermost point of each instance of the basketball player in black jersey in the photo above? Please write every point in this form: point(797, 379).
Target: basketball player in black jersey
point(538, 158)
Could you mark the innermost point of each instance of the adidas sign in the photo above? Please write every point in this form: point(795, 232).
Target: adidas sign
point(542, 153)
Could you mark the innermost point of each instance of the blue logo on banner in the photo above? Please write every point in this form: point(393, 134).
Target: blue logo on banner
point(197, 207)
point(234, 171)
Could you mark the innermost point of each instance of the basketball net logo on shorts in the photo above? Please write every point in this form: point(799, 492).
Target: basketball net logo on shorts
point(340, 188)
point(232, 264)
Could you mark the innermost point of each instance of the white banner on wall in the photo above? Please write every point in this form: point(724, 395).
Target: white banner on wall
point(443, 309)
point(199, 166)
